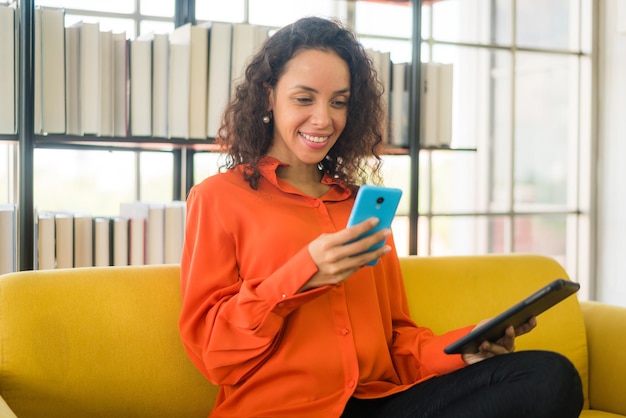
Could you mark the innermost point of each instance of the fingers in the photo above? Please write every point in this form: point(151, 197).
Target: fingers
point(353, 238)
point(350, 242)
point(508, 341)
point(504, 345)
point(338, 255)
point(526, 327)
point(346, 244)
point(354, 232)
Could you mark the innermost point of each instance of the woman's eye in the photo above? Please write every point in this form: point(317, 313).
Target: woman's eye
point(303, 100)
point(339, 103)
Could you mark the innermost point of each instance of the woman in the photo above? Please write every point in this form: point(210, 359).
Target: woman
point(279, 310)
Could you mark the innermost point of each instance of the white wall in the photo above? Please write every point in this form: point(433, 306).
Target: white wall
point(611, 190)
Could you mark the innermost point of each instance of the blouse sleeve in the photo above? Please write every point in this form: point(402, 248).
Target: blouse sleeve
point(230, 326)
point(416, 351)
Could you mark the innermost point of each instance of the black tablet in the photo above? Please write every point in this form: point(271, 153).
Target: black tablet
point(518, 314)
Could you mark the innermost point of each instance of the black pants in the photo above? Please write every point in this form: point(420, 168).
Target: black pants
point(528, 384)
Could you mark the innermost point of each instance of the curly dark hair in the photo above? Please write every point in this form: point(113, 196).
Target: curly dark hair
point(245, 138)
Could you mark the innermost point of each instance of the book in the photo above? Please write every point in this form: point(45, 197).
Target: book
point(45, 240)
point(188, 81)
point(178, 92)
point(101, 241)
point(73, 118)
point(121, 73)
point(436, 104)
point(382, 64)
point(247, 38)
point(155, 234)
point(136, 241)
point(37, 73)
point(137, 214)
point(8, 238)
point(105, 125)
point(429, 106)
point(198, 81)
point(385, 79)
point(8, 80)
point(90, 77)
point(174, 235)
point(64, 239)
point(399, 105)
point(49, 66)
point(220, 44)
point(147, 230)
point(119, 238)
point(83, 240)
point(141, 85)
point(444, 110)
point(160, 70)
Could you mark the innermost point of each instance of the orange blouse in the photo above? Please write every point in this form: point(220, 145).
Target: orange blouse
point(276, 353)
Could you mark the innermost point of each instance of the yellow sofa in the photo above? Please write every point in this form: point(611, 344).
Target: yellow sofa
point(103, 342)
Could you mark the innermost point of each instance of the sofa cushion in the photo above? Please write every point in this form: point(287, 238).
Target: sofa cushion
point(97, 342)
point(450, 292)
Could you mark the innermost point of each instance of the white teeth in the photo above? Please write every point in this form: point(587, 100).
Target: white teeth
point(317, 139)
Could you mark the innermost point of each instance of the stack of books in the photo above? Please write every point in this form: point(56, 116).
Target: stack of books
point(176, 85)
point(142, 233)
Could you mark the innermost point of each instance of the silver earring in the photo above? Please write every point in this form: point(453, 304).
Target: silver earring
point(267, 118)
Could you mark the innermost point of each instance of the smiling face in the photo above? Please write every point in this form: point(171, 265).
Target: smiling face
point(310, 107)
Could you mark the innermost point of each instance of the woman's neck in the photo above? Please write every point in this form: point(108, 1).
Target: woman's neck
point(307, 179)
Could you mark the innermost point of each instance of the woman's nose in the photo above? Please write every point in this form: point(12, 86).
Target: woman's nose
point(321, 116)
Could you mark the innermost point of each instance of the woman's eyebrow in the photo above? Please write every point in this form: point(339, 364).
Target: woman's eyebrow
point(311, 89)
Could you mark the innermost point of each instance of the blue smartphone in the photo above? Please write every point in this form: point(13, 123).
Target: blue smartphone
point(375, 201)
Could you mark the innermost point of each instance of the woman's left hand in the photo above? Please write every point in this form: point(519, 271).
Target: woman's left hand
point(504, 345)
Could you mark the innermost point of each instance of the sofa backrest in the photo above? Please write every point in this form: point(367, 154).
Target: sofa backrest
point(97, 342)
point(450, 292)
point(104, 342)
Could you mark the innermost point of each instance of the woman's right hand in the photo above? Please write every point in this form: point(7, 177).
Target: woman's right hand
point(336, 260)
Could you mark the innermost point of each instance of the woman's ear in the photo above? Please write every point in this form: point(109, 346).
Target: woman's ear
point(270, 96)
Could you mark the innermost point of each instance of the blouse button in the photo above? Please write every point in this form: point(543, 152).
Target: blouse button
point(351, 384)
point(345, 331)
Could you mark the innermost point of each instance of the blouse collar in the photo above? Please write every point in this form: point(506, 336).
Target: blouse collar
point(268, 166)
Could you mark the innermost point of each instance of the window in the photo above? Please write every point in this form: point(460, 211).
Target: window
point(221, 11)
point(83, 181)
point(516, 179)
point(97, 181)
point(521, 88)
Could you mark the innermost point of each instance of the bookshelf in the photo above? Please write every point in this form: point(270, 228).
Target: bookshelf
point(182, 149)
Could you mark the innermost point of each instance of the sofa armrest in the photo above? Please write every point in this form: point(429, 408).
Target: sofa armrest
point(606, 339)
point(5, 411)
